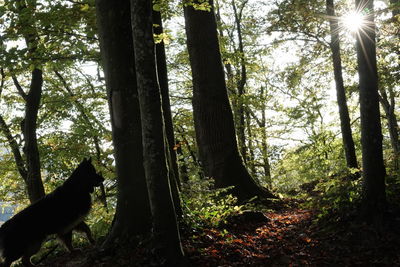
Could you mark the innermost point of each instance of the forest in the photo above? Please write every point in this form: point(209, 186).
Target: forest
point(228, 132)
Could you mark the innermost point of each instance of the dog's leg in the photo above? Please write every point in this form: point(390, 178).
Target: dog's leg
point(5, 263)
point(26, 261)
point(67, 240)
point(84, 228)
point(33, 248)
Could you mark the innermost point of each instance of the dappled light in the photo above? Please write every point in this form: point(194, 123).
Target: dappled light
point(226, 133)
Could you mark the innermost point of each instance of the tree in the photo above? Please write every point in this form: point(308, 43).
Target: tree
point(132, 216)
point(48, 42)
point(374, 197)
point(165, 227)
point(162, 73)
point(214, 126)
point(388, 80)
point(12, 142)
point(162, 76)
point(387, 98)
point(32, 99)
point(345, 126)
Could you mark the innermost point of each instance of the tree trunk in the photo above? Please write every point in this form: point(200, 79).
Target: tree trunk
point(264, 143)
point(374, 197)
point(388, 103)
point(34, 182)
point(14, 148)
point(133, 215)
point(250, 157)
point(34, 178)
point(241, 83)
point(389, 108)
point(214, 126)
point(165, 227)
point(182, 133)
point(162, 73)
point(347, 137)
point(182, 163)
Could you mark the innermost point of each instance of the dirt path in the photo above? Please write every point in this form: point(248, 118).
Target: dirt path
point(289, 238)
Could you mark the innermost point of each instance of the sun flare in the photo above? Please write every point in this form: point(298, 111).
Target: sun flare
point(353, 21)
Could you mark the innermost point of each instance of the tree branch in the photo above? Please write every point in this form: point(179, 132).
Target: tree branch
point(2, 80)
point(20, 90)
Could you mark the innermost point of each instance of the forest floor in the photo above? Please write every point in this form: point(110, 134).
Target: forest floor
point(285, 236)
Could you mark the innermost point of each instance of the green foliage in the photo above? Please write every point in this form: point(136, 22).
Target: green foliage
point(207, 207)
point(12, 187)
point(337, 196)
point(321, 157)
point(100, 219)
point(201, 5)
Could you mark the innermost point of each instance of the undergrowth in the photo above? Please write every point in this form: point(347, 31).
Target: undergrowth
point(205, 206)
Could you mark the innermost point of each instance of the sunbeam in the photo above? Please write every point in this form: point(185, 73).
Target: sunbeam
point(353, 21)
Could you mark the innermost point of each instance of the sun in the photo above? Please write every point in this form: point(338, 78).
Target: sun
point(353, 21)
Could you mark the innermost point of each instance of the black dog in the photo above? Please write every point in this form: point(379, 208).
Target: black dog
point(56, 213)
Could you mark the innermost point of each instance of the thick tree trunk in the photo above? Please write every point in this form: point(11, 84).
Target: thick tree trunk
point(165, 227)
point(374, 197)
point(214, 126)
point(26, 20)
point(34, 177)
point(133, 215)
point(345, 125)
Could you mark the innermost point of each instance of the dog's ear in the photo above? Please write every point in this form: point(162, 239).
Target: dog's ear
point(89, 160)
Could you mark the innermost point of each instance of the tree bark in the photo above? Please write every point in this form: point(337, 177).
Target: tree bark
point(165, 227)
point(374, 196)
point(388, 105)
point(241, 85)
point(32, 99)
point(213, 119)
point(264, 142)
point(132, 217)
point(34, 177)
point(347, 137)
point(250, 156)
point(162, 73)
